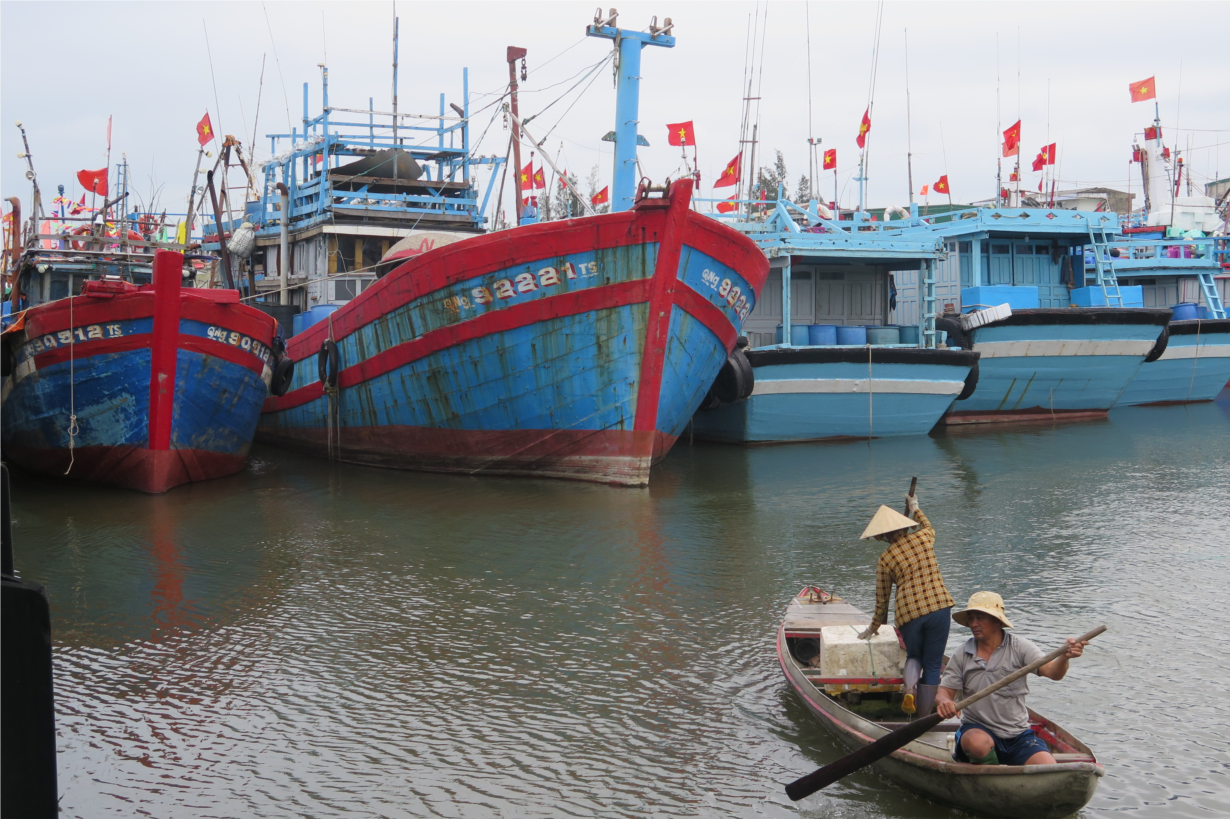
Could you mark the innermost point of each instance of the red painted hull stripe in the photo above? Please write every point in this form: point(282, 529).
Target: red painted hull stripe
point(704, 311)
point(88, 310)
point(141, 341)
point(511, 318)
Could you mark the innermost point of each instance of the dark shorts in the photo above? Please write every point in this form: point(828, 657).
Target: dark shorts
point(1014, 751)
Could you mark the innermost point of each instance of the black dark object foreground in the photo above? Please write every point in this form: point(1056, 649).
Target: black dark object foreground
point(885, 745)
point(27, 711)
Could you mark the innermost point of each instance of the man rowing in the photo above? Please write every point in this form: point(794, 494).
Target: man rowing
point(995, 730)
point(923, 603)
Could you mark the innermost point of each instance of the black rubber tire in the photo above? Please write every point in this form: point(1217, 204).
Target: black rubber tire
point(1159, 346)
point(735, 380)
point(6, 359)
point(328, 362)
point(971, 383)
point(956, 334)
point(283, 374)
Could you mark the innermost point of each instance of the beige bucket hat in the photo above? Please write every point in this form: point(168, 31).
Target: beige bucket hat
point(887, 520)
point(985, 602)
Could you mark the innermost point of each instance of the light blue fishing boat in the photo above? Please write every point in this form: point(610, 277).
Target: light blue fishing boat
point(826, 359)
point(1057, 355)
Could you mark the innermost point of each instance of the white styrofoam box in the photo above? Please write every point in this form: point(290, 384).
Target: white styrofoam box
point(980, 317)
point(842, 654)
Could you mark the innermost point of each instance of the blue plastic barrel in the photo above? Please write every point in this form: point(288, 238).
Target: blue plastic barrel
point(1185, 311)
point(316, 315)
point(909, 335)
point(883, 335)
point(851, 335)
point(296, 324)
point(798, 335)
point(822, 334)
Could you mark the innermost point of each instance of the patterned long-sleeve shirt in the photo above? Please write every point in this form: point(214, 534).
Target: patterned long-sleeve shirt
point(909, 564)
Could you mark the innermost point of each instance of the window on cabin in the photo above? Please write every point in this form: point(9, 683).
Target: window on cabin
point(966, 247)
point(1002, 250)
point(372, 251)
point(345, 254)
point(1042, 250)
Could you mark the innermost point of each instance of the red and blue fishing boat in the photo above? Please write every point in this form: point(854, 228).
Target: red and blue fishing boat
point(141, 385)
point(572, 349)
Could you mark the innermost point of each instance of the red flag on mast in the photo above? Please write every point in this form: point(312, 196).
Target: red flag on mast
point(1143, 90)
point(830, 159)
point(540, 180)
point(601, 197)
point(681, 133)
point(728, 206)
point(863, 128)
point(204, 130)
point(1048, 153)
point(1012, 140)
point(94, 181)
point(730, 175)
point(942, 185)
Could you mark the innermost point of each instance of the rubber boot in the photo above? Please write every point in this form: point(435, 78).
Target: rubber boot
point(913, 670)
point(926, 699)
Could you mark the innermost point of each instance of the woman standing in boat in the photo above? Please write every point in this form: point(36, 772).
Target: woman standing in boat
point(923, 603)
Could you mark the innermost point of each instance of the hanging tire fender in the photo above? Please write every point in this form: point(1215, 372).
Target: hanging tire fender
point(971, 383)
point(328, 362)
point(283, 374)
point(1159, 346)
point(956, 334)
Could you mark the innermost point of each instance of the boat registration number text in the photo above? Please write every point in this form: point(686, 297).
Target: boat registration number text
point(234, 339)
point(523, 283)
point(90, 332)
point(734, 296)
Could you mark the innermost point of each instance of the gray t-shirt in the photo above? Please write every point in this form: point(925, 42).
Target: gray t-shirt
point(1004, 712)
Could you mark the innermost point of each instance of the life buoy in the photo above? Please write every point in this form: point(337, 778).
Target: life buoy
point(1159, 346)
point(133, 236)
point(147, 225)
point(83, 230)
point(328, 361)
point(971, 383)
point(283, 374)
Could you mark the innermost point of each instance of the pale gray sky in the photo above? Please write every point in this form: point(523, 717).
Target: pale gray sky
point(67, 66)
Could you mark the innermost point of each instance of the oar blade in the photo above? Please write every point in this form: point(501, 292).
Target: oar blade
point(882, 747)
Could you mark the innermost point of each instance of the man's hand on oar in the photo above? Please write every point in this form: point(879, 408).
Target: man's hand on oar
point(885, 745)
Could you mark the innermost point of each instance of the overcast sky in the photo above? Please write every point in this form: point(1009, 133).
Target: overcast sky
point(68, 66)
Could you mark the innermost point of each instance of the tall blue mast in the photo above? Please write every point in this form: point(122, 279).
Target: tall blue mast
point(628, 45)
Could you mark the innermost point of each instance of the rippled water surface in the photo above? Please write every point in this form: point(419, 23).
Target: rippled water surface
point(307, 640)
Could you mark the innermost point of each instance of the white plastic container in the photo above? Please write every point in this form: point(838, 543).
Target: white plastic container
point(842, 654)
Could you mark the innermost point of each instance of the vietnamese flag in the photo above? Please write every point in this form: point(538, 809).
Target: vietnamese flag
point(863, 128)
point(1143, 90)
point(830, 159)
point(527, 176)
point(730, 175)
point(728, 206)
point(1012, 140)
point(204, 130)
point(94, 181)
point(540, 180)
point(601, 197)
point(1039, 162)
point(563, 179)
point(942, 185)
point(681, 133)
point(1048, 154)
point(924, 191)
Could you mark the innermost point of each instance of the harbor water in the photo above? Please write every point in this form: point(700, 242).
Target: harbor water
point(305, 639)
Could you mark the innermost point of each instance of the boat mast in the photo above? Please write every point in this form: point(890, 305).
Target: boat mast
point(515, 54)
point(909, 156)
point(628, 45)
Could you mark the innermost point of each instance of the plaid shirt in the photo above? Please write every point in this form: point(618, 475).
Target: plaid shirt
point(909, 562)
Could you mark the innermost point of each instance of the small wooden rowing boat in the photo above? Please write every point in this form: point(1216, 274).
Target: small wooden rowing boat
point(860, 710)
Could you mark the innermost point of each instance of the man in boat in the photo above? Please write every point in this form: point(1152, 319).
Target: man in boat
point(995, 730)
point(923, 603)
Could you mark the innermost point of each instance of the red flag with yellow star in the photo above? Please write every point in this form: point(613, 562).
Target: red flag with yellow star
point(540, 179)
point(527, 176)
point(728, 206)
point(730, 175)
point(601, 197)
point(1143, 90)
point(830, 159)
point(942, 185)
point(204, 130)
point(863, 128)
point(1012, 140)
point(681, 133)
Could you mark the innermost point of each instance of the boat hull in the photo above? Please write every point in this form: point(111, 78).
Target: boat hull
point(834, 393)
point(165, 388)
point(1051, 364)
point(925, 766)
point(575, 349)
point(1194, 367)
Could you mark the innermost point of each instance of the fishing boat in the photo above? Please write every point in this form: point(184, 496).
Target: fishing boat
point(144, 386)
point(572, 349)
point(858, 710)
point(1069, 348)
point(830, 355)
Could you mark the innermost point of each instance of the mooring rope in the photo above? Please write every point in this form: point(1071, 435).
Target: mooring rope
point(870, 398)
point(332, 410)
point(72, 393)
point(1195, 361)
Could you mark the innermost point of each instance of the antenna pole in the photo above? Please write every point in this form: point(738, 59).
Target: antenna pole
point(395, 27)
point(515, 54)
point(909, 156)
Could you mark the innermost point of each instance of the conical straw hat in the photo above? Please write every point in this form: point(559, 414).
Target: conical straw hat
point(887, 520)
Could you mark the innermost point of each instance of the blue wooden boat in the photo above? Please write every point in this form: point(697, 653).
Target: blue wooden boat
point(829, 280)
point(1194, 367)
point(1053, 358)
point(573, 349)
point(141, 386)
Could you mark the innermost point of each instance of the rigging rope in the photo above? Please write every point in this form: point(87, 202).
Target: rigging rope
point(72, 392)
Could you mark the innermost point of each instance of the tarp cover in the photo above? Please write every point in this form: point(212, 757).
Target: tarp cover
point(391, 164)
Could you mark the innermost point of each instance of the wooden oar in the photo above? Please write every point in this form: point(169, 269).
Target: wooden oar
point(885, 745)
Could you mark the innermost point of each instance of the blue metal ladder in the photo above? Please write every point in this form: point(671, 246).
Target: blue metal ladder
point(1104, 266)
point(1211, 299)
